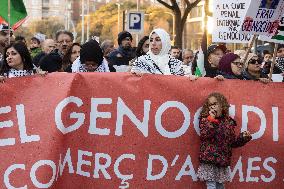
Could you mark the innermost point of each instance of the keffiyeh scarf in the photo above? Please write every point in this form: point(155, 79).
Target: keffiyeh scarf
point(19, 73)
point(280, 63)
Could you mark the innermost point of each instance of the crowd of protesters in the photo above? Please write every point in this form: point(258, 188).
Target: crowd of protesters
point(154, 54)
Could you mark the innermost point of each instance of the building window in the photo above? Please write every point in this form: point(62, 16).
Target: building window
point(56, 2)
point(196, 12)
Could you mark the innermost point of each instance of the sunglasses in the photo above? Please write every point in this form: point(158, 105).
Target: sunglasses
point(254, 61)
point(238, 64)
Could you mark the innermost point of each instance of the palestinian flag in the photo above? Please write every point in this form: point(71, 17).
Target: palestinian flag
point(17, 11)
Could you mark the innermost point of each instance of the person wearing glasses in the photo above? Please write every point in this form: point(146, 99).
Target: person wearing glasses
point(253, 70)
point(91, 59)
point(64, 40)
point(231, 66)
point(187, 59)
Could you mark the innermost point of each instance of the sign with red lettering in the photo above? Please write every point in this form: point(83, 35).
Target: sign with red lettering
point(263, 17)
point(104, 130)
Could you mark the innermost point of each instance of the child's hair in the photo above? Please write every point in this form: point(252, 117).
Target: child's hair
point(221, 99)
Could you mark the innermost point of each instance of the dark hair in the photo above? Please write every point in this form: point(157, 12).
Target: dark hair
point(22, 49)
point(52, 62)
point(265, 52)
point(139, 50)
point(66, 58)
point(221, 99)
point(194, 63)
point(64, 32)
point(35, 39)
point(175, 47)
point(20, 38)
point(91, 51)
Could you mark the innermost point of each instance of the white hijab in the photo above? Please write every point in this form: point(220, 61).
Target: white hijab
point(162, 59)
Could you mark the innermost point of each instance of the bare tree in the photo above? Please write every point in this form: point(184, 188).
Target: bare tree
point(180, 20)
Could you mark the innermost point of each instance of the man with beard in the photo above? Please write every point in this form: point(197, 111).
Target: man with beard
point(4, 40)
point(120, 57)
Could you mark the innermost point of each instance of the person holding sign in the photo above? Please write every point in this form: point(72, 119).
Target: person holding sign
point(217, 137)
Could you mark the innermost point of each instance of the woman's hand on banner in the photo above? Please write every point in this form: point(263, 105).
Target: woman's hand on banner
point(219, 78)
point(2, 79)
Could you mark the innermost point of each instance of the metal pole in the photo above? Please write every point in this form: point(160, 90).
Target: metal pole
point(204, 38)
point(137, 35)
point(9, 20)
point(88, 19)
point(83, 15)
point(66, 16)
point(174, 26)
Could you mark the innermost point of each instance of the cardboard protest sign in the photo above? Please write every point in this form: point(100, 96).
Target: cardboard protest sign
point(104, 130)
point(279, 35)
point(227, 16)
point(263, 17)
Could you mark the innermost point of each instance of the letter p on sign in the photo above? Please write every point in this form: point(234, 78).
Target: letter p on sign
point(135, 22)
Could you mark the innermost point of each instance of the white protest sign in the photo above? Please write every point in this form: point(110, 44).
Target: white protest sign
point(263, 17)
point(227, 16)
point(279, 35)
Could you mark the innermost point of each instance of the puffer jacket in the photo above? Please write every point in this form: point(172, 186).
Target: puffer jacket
point(217, 142)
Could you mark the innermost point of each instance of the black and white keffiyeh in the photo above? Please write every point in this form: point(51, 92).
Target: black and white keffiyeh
point(1, 57)
point(280, 63)
point(161, 63)
point(101, 68)
point(78, 67)
point(18, 73)
point(145, 64)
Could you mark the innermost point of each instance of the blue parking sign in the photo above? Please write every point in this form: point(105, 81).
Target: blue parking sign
point(135, 22)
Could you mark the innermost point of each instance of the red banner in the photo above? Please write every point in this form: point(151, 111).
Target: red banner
point(104, 130)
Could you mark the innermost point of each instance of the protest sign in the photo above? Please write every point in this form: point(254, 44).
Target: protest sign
point(227, 16)
point(103, 130)
point(279, 35)
point(263, 17)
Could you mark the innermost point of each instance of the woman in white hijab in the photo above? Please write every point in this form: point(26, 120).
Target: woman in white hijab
point(158, 59)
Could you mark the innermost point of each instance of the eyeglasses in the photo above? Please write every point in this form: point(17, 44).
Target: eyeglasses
point(254, 61)
point(66, 41)
point(238, 64)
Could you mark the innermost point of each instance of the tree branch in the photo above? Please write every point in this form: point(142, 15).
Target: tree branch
point(189, 7)
point(166, 4)
point(175, 5)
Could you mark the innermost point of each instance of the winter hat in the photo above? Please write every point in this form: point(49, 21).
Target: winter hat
point(225, 63)
point(51, 63)
point(122, 35)
point(91, 51)
point(213, 47)
point(241, 54)
point(250, 56)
